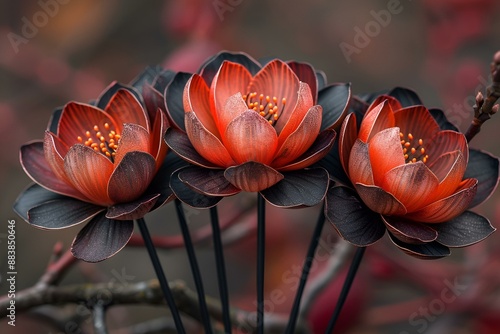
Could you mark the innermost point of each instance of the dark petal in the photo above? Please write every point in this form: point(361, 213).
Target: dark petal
point(54, 120)
point(321, 78)
point(162, 80)
point(335, 100)
point(405, 96)
point(101, 238)
point(305, 73)
point(359, 108)
point(210, 182)
point(62, 213)
point(410, 232)
point(33, 196)
point(430, 251)
point(179, 142)
point(368, 98)
point(331, 162)
point(132, 210)
point(440, 118)
point(464, 230)
point(173, 99)
point(351, 218)
point(36, 167)
point(187, 195)
point(298, 188)
point(485, 168)
point(147, 76)
point(161, 181)
point(153, 100)
point(131, 177)
point(212, 65)
point(252, 176)
point(111, 90)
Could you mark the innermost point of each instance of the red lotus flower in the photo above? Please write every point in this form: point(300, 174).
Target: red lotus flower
point(96, 161)
point(247, 126)
point(411, 174)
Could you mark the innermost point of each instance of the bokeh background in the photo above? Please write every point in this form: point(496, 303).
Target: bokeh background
point(74, 49)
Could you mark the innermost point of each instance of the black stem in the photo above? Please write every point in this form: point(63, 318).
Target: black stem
point(261, 243)
point(195, 269)
point(221, 270)
point(351, 274)
point(167, 293)
point(305, 272)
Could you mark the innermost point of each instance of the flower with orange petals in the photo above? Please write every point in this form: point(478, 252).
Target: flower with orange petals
point(98, 163)
point(256, 128)
point(412, 173)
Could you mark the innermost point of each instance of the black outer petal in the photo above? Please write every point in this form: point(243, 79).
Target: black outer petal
point(174, 99)
point(187, 195)
point(335, 100)
point(101, 238)
point(441, 119)
point(331, 162)
point(210, 68)
point(464, 230)
point(485, 168)
point(54, 120)
point(429, 251)
point(62, 213)
point(351, 218)
point(207, 181)
point(146, 77)
point(300, 188)
point(33, 196)
point(410, 232)
point(405, 96)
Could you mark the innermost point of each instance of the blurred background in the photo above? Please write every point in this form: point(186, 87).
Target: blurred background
point(55, 51)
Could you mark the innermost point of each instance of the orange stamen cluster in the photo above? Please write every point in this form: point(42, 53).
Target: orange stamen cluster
point(412, 152)
point(105, 141)
point(267, 106)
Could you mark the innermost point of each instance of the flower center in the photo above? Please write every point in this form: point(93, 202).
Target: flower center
point(413, 149)
point(269, 107)
point(104, 141)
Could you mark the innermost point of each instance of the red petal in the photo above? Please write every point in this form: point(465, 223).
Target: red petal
point(305, 72)
point(252, 176)
point(277, 79)
point(301, 139)
point(360, 169)
point(348, 135)
point(89, 172)
point(317, 151)
point(234, 107)
point(290, 118)
point(54, 150)
point(379, 118)
point(418, 121)
point(134, 138)
point(124, 108)
point(449, 169)
point(205, 143)
point(393, 102)
point(412, 184)
point(37, 168)
point(232, 78)
point(444, 142)
point(131, 177)
point(385, 153)
point(249, 137)
point(158, 147)
point(449, 207)
point(196, 99)
point(77, 118)
point(378, 200)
